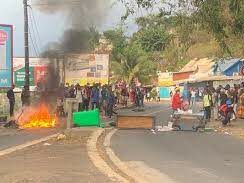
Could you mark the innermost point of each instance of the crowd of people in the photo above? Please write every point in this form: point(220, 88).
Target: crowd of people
point(214, 100)
point(89, 97)
point(104, 97)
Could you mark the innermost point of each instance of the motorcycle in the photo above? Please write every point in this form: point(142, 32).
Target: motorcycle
point(226, 111)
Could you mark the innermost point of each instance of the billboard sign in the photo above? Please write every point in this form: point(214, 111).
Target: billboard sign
point(87, 68)
point(19, 77)
point(6, 56)
point(38, 70)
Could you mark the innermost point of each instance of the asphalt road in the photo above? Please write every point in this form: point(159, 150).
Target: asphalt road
point(10, 138)
point(186, 157)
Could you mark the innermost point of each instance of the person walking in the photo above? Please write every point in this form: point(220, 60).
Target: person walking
point(11, 99)
point(207, 103)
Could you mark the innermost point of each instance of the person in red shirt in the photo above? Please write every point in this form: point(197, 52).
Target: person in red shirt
point(176, 101)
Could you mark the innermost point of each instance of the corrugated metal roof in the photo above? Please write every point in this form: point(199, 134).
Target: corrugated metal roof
point(225, 64)
point(199, 65)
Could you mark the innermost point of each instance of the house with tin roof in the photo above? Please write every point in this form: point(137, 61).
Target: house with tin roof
point(228, 67)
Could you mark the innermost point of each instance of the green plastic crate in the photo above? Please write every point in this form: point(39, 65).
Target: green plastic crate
point(87, 118)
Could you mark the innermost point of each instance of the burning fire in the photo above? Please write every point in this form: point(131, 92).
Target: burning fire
point(38, 117)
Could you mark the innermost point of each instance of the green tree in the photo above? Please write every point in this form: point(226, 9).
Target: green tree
point(224, 19)
point(152, 35)
point(129, 60)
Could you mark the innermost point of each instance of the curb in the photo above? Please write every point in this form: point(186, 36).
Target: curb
point(25, 145)
point(117, 162)
point(99, 163)
point(137, 176)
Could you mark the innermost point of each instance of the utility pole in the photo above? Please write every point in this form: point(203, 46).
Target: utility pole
point(26, 36)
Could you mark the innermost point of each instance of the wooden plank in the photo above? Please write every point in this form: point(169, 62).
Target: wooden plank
point(135, 122)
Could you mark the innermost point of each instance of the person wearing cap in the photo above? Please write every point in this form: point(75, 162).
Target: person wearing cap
point(11, 99)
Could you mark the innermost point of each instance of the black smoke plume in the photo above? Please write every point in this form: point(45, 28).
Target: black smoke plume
point(82, 18)
point(80, 14)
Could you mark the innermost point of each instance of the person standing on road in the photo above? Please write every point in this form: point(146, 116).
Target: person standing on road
point(241, 104)
point(104, 98)
point(216, 103)
point(25, 98)
point(11, 98)
point(193, 97)
point(158, 96)
point(95, 97)
point(176, 101)
point(79, 98)
point(111, 102)
point(138, 97)
point(85, 98)
point(207, 103)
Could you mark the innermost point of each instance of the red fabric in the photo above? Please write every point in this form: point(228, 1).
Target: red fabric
point(132, 96)
point(176, 102)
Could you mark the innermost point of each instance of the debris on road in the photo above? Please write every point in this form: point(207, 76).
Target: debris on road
point(47, 144)
point(153, 131)
point(227, 133)
point(61, 137)
point(165, 128)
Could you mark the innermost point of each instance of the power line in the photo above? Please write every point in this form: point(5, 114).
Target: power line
point(32, 42)
point(33, 38)
point(36, 27)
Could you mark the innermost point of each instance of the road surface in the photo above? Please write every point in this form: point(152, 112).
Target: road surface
point(183, 156)
point(11, 137)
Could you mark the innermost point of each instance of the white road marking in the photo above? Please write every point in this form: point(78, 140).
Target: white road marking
point(28, 144)
point(94, 156)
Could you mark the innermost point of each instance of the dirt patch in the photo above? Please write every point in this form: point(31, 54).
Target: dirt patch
point(236, 128)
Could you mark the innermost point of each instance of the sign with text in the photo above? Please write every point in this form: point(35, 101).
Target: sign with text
point(19, 77)
point(6, 56)
point(87, 68)
point(38, 70)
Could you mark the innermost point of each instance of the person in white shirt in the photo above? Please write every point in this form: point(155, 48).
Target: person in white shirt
point(193, 97)
point(79, 98)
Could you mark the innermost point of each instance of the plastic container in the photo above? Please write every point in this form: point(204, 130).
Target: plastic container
point(87, 118)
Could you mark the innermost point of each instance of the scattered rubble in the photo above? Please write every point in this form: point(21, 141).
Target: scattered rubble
point(61, 137)
point(47, 144)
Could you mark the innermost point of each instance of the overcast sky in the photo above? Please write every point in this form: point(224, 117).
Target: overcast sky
point(50, 27)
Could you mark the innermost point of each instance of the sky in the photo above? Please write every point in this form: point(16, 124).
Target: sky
point(50, 26)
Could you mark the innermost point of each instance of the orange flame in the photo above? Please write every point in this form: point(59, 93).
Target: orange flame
point(38, 117)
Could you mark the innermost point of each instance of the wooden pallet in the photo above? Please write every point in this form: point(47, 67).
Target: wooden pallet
point(135, 122)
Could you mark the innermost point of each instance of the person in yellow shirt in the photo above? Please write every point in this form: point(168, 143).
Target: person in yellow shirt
point(207, 104)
